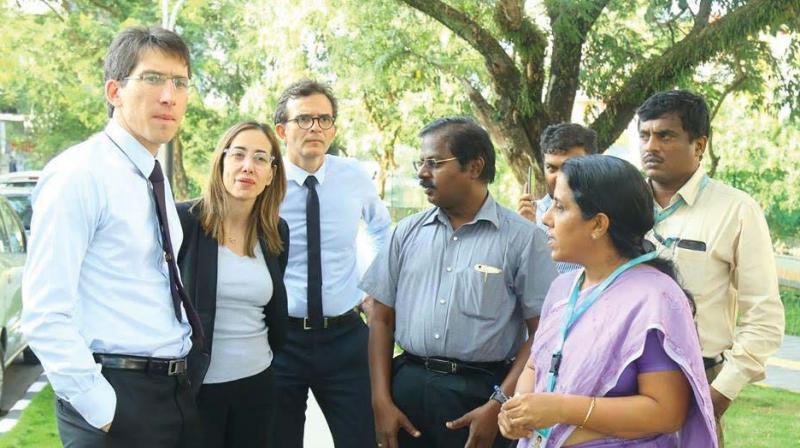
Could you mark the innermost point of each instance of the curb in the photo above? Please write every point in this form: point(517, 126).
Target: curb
point(8, 421)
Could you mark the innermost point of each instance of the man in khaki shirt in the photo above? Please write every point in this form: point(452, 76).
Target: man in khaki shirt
point(719, 240)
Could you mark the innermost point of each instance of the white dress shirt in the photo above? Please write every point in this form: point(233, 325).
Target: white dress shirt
point(96, 279)
point(346, 195)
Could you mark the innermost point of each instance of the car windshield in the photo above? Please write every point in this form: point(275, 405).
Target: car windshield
point(22, 205)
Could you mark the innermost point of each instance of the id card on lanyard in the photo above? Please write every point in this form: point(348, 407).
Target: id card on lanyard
point(571, 316)
point(661, 215)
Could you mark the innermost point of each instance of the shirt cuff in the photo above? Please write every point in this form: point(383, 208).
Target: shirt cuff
point(96, 405)
point(730, 381)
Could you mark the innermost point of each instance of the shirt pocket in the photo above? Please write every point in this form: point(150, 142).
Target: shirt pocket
point(481, 294)
point(692, 266)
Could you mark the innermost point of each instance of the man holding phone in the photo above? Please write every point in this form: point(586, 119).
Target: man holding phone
point(558, 143)
point(719, 240)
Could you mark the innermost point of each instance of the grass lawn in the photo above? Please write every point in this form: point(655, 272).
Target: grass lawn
point(760, 417)
point(791, 305)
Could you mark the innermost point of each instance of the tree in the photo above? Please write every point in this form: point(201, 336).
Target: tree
point(533, 68)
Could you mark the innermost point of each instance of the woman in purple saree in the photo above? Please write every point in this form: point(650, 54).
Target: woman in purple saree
point(616, 359)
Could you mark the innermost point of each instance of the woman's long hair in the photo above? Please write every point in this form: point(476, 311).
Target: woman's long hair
point(614, 187)
point(264, 216)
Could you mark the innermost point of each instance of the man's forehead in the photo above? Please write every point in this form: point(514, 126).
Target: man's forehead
point(315, 104)
point(434, 145)
point(668, 121)
point(156, 60)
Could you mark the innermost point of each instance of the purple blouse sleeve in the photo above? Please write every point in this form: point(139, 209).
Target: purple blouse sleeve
point(654, 358)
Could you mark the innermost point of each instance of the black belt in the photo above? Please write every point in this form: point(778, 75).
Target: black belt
point(454, 366)
point(155, 366)
point(709, 363)
point(327, 322)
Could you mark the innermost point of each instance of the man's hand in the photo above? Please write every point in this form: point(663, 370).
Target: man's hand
point(388, 420)
point(721, 403)
point(482, 424)
point(527, 207)
point(106, 427)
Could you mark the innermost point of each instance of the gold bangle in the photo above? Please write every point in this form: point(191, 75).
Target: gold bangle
point(588, 413)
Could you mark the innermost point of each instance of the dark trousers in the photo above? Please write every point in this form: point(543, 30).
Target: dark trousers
point(237, 413)
point(333, 364)
point(152, 411)
point(430, 399)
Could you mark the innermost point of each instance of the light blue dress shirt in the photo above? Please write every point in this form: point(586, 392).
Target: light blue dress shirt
point(96, 279)
point(346, 196)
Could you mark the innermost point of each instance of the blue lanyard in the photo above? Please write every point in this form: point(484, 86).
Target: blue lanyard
point(667, 212)
point(572, 315)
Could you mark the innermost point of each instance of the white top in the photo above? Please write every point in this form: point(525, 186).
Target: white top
point(346, 196)
point(241, 348)
point(96, 279)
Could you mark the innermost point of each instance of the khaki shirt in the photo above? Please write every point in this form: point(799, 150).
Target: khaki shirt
point(732, 277)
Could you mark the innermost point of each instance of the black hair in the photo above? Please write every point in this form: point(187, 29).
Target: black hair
point(124, 52)
point(466, 140)
point(560, 138)
point(614, 187)
point(300, 89)
point(692, 109)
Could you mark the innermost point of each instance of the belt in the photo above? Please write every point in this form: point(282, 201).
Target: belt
point(155, 366)
point(709, 363)
point(454, 366)
point(327, 322)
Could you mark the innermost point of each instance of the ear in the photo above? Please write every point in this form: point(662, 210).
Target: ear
point(476, 167)
point(280, 129)
point(112, 93)
point(700, 144)
point(600, 225)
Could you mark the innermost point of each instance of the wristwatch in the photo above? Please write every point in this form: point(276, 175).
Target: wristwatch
point(498, 395)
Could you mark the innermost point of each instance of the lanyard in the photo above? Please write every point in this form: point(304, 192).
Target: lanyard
point(667, 212)
point(572, 315)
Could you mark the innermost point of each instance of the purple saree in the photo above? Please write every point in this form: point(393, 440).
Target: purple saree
point(611, 335)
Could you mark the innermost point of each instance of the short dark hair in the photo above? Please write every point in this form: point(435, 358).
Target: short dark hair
point(692, 109)
point(124, 52)
point(614, 187)
point(466, 140)
point(561, 137)
point(299, 89)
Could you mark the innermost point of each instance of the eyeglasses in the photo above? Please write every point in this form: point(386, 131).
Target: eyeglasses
point(259, 158)
point(307, 121)
point(159, 79)
point(430, 163)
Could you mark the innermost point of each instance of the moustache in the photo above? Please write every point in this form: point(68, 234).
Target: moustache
point(426, 183)
point(652, 158)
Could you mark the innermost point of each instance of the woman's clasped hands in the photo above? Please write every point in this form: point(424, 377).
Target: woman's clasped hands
point(522, 414)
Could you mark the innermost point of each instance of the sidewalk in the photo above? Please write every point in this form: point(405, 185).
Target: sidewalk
point(316, 434)
point(783, 368)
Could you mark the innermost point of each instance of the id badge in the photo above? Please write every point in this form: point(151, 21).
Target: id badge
point(537, 441)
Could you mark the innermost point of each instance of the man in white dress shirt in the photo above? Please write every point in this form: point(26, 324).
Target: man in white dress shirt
point(327, 197)
point(101, 307)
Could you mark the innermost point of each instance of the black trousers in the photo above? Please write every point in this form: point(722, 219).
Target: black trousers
point(431, 399)
point(333, 364)
point(237, 413)
point(152, 411)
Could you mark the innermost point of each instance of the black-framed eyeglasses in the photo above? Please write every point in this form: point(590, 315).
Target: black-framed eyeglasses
point(259, 158)
point(159, 79)
point(430, 163)
point(306, 122)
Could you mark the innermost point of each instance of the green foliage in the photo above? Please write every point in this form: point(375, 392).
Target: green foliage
point(791, 306)
point(762, 417)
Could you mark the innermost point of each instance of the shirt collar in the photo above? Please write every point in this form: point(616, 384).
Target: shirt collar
point(141, 158)
point(691, 189)
point(297, 174)
point(487, 212)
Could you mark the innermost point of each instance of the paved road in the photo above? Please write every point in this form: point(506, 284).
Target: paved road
point(18, 377)
point(783, 369)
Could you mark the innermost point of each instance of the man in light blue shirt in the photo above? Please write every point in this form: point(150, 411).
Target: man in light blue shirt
point(327, 198)
point(98, 305)
point(558, 143)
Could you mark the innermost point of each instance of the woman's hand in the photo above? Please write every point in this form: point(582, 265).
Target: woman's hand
point(533, 411)
point(510, 431)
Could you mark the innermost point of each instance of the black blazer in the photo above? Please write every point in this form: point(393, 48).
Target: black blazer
point(197, 260)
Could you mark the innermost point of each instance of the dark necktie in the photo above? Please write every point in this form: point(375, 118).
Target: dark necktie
point(314, 297)
point(176, 288)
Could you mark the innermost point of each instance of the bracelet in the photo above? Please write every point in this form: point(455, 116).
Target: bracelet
point(588, 413)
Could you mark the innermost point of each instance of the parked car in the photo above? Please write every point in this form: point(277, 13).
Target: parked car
point(17, 188)
point(20, 179)
point(13, 250)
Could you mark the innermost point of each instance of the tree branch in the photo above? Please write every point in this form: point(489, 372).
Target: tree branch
point(499, 64)
point(738, 80)
point(701, 19)
point(571, 22)
point(660, 72)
